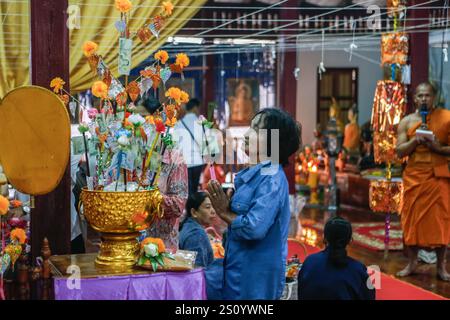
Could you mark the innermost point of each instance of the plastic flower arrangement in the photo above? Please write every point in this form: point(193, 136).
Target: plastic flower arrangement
point(12, 249)
point(153, 251)
point(127, 147)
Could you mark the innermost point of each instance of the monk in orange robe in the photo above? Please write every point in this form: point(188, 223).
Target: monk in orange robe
point(425, 212)
point(351, 133)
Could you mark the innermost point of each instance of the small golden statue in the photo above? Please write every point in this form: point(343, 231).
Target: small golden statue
point(335, 113)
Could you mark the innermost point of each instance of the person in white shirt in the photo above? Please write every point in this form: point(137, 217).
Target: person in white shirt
point(190, 137)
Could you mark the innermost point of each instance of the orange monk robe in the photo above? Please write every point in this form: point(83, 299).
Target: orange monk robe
point(351, 136)
point(425, 213)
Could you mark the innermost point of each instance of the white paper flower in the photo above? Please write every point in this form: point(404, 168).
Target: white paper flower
point(151, 250)
point(131, 107)
point(136, 119)
point(201, 119)
point(123, 141)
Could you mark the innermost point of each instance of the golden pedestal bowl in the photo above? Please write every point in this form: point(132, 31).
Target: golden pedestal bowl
point(110, 213)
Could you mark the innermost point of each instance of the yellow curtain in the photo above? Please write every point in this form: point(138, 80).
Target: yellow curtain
point(14, 45)
point(97, 24)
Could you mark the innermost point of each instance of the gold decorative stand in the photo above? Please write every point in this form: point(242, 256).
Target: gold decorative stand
point(110, 213)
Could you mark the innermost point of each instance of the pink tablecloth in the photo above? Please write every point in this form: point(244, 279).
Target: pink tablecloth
point(189, 285)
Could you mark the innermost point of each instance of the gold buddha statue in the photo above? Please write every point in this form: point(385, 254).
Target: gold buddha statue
point(335, 112)
point(241, 105)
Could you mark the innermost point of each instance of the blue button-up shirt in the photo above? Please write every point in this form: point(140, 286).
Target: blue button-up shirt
point(194, 238)
point(256, 244)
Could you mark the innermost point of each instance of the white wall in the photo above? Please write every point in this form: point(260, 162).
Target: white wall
point(369, 72)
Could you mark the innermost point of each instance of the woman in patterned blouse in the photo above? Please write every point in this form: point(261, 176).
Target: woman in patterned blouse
point(173, 185)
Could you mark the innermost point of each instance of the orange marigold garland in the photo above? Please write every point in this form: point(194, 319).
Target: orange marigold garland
point(100, 90)
point(57, 84)
point(167, 8)
point(182, 60)
point(162, 56)
point(90, 48)
point(18, 235)
point(123, 6)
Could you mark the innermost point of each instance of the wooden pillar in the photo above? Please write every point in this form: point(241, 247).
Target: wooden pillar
point(419, 49)
point(287, 84)
point(50, 58)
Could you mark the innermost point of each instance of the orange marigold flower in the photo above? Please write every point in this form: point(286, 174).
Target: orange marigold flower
point(168, 7)
point(171, 122)
point(100, 89)
point(184, 98)
point(162, 56)
point(89, 48)
point(218, 250)
point(174, 93)
point(4, 205)
point(139, 217)
point(150, 119)
point(123, 5)
point(19, 235)
point(15, 203)
point(57, 84)
point(182, 60)
point(160, 244)
point(157, 241)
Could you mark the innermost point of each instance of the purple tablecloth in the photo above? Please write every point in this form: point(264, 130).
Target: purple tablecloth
point(189, 285)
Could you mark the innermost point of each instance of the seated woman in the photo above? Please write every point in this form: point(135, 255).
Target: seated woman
point(331, 274)
point(193, 237)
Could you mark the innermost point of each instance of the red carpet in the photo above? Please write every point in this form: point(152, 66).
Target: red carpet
point(391, 288)
point(369, 235)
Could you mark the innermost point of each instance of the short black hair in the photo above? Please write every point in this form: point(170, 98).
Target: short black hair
point(194, 201)
point(290, 132)
point(194, 102)
point(151, 104)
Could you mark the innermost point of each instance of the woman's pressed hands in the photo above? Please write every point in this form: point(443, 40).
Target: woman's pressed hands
point(220, 201)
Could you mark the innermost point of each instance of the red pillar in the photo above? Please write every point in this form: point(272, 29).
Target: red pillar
point(50, 58)
point(287, 85)
point(419, 49)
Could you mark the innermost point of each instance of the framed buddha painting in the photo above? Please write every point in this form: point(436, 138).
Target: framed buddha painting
point(243, 101)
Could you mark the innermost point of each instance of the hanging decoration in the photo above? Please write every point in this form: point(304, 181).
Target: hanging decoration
point(11, 248)
point(385, 196)
point(353, 45)
point(321, 64)
point(394, 48)
point(389, 107)
point(396, 8)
